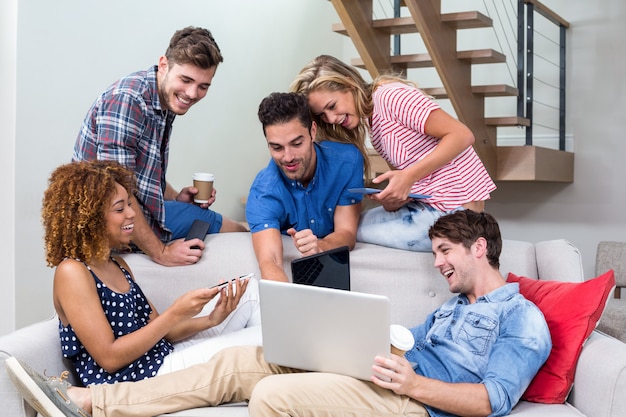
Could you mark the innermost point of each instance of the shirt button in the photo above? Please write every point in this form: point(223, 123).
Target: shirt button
point(266, 225)
point(432, 294)
point(312, 220)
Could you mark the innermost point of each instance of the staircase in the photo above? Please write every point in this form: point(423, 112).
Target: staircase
point(372, 39)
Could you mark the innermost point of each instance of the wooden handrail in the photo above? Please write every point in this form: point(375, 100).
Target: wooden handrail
point(548, 13)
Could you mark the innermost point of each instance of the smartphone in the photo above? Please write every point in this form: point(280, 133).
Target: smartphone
point(198, 229)
point(223, 284)
point(376, 191)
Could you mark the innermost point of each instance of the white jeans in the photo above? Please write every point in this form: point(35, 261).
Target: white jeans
point(241, 327)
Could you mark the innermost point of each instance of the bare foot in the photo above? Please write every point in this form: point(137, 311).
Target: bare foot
point(81, 397)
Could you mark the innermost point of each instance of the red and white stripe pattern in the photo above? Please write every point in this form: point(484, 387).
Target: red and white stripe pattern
point(397, 134)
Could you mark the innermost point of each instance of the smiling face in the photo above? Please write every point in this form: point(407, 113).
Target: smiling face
point(119, 218)
point(182, 86)
point(291, 148)
point(456, 264)
point(334, 107)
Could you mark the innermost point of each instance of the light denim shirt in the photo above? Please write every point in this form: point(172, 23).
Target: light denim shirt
point(500, 341)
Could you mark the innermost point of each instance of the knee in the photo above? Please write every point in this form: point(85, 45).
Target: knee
point(267, 397)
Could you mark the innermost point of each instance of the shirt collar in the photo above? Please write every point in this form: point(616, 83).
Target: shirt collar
point(151, 76)
point(500, 294)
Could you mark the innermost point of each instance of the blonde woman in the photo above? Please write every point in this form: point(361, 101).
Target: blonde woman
point(431, 152)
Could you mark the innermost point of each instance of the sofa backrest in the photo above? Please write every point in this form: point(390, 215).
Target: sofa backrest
point(374, 269)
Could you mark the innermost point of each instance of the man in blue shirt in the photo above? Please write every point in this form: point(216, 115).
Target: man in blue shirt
point(475, 355)
point(303, 191)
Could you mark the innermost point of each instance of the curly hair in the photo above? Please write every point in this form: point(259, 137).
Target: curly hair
point(74, 206)
point(196, 46)
point(465, 227)
point(280, 108)
point(327, 73)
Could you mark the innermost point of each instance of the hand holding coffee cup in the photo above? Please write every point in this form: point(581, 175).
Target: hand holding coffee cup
point(203, 182)
point(401, 339)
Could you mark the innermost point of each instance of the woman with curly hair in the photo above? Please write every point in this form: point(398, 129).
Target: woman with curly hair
point(107, 326)
point(430, 151)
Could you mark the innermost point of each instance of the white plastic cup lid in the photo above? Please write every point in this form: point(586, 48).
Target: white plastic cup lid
point(203, 176)
point(401, 337)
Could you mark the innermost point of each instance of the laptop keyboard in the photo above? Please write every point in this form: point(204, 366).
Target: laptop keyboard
point(308, 271)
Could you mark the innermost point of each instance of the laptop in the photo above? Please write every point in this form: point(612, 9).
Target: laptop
point(323, 329)
point(330, 269)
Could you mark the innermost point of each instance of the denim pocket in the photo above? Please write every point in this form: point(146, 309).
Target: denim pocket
point(440, 325)
point(476, 333)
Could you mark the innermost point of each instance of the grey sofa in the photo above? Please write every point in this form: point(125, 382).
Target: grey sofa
point(408, 279)
point(612, 255)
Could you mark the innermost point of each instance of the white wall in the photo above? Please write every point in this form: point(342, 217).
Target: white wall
point(590, 209)
point(8, 48)
point(67, 52)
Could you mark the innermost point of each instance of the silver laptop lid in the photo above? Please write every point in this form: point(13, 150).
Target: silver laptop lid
point(323, 329)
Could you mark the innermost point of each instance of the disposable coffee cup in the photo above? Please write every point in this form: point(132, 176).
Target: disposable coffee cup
point(203, 181)
point(401, 339)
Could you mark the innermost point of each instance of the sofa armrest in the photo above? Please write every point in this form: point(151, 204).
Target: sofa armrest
point(600, 380)
point(38, 345)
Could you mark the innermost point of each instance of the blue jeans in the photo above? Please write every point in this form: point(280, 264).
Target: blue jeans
point(179, 216)
point(406, 228)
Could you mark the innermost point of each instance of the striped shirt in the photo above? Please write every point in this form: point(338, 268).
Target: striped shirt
point(397, 134)
point(127, 124)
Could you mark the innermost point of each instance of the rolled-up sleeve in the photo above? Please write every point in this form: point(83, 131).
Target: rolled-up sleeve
point(522, 347)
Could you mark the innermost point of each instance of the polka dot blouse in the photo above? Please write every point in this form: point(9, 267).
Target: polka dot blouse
point(126, 313)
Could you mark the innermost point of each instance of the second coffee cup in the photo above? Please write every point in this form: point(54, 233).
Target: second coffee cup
point(203, 181)
point(401, 339)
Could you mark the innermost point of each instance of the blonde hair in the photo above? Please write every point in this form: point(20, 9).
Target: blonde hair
point(330, 74)
point(73, 209)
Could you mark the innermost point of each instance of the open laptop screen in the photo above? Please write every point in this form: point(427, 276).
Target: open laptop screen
point(330, 269)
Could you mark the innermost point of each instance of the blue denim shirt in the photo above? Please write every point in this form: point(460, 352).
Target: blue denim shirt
point(278, 202)
point(500, 341)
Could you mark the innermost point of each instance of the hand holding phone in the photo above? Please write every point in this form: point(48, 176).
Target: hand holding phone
point(223, 284)
point(198, 229)
point(376, 191)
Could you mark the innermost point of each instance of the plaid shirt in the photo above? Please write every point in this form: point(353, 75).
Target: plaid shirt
point(127, 124)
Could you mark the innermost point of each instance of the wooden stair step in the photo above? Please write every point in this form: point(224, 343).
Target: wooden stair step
point(467, 20)
point(495, 90)
point(482, 56)
point(507, 121)
point(404, 25)
point(392, 26)
point(478, 56)
point(534, 163)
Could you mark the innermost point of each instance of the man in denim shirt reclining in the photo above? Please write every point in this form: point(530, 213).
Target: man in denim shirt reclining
point(475, 355)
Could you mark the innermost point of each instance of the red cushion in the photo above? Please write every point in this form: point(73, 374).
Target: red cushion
point(572, 311)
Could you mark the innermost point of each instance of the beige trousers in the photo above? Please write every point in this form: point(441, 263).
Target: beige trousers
point(241, 374)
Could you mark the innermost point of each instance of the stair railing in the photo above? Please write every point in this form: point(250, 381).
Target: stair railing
point(526, 68)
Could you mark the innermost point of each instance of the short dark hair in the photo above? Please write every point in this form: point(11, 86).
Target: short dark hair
point(465, 227)
point(194, 45)
point(280, 108)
